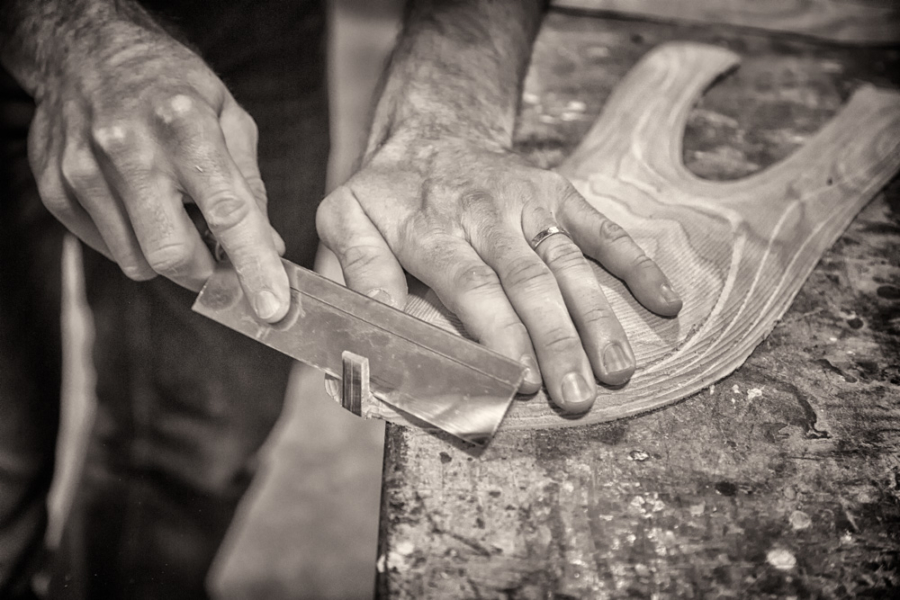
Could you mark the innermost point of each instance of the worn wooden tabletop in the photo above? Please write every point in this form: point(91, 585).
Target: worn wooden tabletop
point(782, 480)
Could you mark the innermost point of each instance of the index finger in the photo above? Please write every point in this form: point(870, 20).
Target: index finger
point(210, 176)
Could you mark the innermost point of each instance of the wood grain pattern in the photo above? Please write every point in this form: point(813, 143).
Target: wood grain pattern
point(857, 21)
point(782, 480)
point(737, 251)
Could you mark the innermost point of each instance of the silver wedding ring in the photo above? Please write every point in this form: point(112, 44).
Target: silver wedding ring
point(544, 234)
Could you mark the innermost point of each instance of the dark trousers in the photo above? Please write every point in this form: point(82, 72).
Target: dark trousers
point(184, 404)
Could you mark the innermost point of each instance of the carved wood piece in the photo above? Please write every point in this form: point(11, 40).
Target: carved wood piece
point(863, 22)
point(737, 251)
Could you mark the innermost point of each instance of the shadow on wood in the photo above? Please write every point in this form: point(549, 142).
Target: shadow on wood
point(738, 251)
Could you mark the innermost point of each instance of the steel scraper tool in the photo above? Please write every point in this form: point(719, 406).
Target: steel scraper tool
point(433, 375)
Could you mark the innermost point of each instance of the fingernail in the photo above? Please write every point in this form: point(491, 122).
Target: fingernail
point(576, 391)
point(669, 294)
point(382, 296)
point(616, 359)
point(532, 373)
point(267, 305)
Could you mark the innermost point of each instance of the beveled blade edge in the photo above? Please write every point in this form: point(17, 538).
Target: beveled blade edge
point(472, 413)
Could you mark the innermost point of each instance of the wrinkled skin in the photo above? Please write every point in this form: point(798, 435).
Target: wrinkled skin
point(460, 217)
point(125, 134)
point(134, 125)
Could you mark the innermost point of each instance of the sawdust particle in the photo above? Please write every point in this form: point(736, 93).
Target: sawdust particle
point(781, 559)
point(397, 562)
point(657, 505)
point(800, 520)
point(638, 456)
point(405, 548)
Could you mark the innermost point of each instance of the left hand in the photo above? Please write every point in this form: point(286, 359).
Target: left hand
point(460, 218)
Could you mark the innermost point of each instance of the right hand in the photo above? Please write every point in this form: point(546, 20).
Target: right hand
point(126, 133)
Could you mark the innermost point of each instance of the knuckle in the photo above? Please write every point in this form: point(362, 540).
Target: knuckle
point(175, 109)
point(225, 212)
point(477, 201)
point(642, 261)
point(422, 225)
point(337, 201)
point(475, 278)
point(327, 208)
point(611, 232)
point(525, 271)
point(503, 329)
point(514, 329)
point(563, 256)
point(562, 340)
point(358, 259)
point(597, 315)
point(421, 233)
point(524, 188)
point(112, 137)
point(78, 167)
point(332, 208)
point(171, 259)
point(555, 185)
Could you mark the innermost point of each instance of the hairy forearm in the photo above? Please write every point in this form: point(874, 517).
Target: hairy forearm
point(457, 71)
point(38, 38)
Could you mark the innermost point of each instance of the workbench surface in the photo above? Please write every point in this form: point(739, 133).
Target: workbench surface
point(782, 480)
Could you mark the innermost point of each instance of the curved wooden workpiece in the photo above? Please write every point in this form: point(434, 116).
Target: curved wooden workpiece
point(738, 252)
point(859, 22)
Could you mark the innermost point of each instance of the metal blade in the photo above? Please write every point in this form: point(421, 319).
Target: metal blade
point(438, 377)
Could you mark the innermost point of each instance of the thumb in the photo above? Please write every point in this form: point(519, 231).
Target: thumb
point(367, 262)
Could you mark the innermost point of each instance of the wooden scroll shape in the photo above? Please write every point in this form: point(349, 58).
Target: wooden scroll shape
point(864, 22)
point(737, 251)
